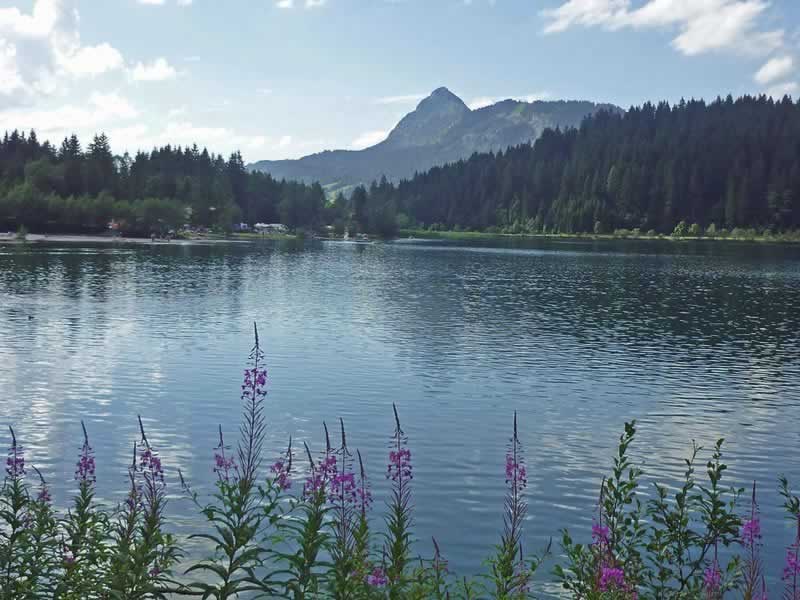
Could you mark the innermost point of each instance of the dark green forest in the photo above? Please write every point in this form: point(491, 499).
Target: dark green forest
point(727, 164)
point(71, 189)
point(699, 167)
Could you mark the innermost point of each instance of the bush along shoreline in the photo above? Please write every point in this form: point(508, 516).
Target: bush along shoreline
point(274, 533)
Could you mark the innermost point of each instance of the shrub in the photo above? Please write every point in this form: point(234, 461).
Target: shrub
point(681, 230)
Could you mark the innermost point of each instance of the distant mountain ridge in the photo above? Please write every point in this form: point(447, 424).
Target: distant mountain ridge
point(440, 130)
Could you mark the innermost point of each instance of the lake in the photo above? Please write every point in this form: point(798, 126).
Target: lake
point(694, 340)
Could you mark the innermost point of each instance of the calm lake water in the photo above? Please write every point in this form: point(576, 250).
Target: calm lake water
point(695, 341)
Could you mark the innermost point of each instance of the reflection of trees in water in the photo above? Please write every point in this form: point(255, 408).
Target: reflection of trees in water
point(491, 303)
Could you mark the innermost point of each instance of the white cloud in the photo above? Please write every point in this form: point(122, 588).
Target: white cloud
point(112, 105)
point(406, 99)
point(158, 70)
point(484, 101)
point(152, 2)
point(178, 111)
point(285, 141)
point(41, 51)
point(184, 2)
point(101, 110)
point(306, 3)
point(186, 133)
point(89, 61)
point(367, 139)
point(774, 69)
point(39, 23)
point(703, 25)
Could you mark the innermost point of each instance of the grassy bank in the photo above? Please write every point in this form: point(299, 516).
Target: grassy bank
point(783, 238)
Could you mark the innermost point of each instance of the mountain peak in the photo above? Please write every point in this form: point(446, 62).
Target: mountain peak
point(432, 118)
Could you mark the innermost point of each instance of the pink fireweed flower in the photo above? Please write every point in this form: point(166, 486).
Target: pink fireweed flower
point(377, 578)
point(15, 462)
point(322, 473)
point(282, 469)
point(399, 464)
point(85, 467)
point(752, 566)
point(343, 488)
point(751, 531)
point(599, 534)
point(791, 570)
point(150, 465)
point(44, 496)
point(223, 465)
point(279, 468)
point(712, 580)
point(516, 474)
point(612, 578)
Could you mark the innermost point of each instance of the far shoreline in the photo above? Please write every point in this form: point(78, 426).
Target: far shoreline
point(423, 234)
point(81, 238)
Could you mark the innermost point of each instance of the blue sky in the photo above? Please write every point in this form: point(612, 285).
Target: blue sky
point(284, 78)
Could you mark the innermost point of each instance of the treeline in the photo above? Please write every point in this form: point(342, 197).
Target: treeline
point(728, 164)
point(71, 189)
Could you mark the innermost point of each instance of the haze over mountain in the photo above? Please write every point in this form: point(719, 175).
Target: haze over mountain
point(440, 130)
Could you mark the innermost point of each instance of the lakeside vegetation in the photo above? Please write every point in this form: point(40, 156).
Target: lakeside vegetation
point(69, 189)
point(737, 235)
point(302, 526)
point(731, 165)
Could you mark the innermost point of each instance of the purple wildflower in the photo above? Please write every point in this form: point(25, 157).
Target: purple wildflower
point(223, 465)
point(377, 578)
point(516, 474)
point(343, 488)
point(516, 481)
point(282, 469)
point(321, 474)
point(751, 540)
point(44, 495)
point(792, 568)
point(751, 531)
point(712, 580)
point(399, 464)
point(85, 467)
point(15, 463)
point(599, 535)
point(150, 465)
point(612, 578)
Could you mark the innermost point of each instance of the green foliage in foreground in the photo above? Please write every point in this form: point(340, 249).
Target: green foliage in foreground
point(697, 540)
